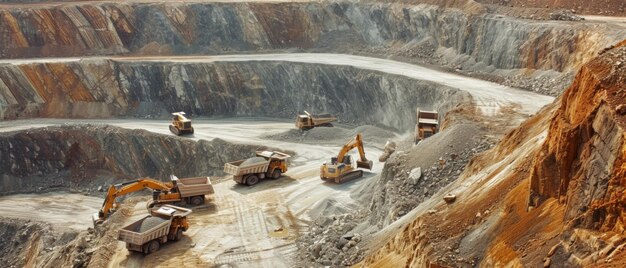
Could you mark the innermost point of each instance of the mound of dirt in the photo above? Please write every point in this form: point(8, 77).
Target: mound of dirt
point(253, 161)
point(25, 243)
point(411, 174)
point(330, 206)
point(440, 158)
point(330, 241)
point(372, 135)
point(149, 223)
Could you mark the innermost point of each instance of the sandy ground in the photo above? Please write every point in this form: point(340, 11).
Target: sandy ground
point(488, 96)
point(243, 225)
point(62, 210)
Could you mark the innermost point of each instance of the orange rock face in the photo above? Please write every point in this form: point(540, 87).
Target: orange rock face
point(582, 162)
point(544, 195)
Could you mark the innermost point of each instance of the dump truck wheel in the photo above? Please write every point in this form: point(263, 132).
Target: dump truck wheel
point(197, 200)
point(252, 180)
point(179, 235)
point(276, 174)
point(153, 246)
point(191, 131)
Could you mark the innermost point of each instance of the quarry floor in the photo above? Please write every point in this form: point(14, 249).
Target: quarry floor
point(244, 225)
point(255, 225)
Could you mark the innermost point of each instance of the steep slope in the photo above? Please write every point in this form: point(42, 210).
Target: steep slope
point(463, 36)
point(87, 156)
point(95, 88)
point(568, 161)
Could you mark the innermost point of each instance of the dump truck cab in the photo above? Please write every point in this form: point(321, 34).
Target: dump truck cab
point(178, 217)
point(278, 163)
point(303, 121)
point(180, 124)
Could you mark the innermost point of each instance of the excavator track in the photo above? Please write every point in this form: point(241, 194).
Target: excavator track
point(349, 176)
point(174, 130)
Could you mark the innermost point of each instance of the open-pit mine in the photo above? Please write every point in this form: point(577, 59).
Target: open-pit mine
point(313, 133)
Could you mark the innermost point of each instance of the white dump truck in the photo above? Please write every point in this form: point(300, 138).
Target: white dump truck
point(166, 223)
point(264, 164)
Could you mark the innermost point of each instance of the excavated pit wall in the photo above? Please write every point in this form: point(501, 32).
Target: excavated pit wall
point(79, 157)
point(562, 205)
point(583, 162)
point(108, 88)
point(469, 38)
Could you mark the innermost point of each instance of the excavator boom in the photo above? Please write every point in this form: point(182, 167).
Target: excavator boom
point(125, 188)
point(358, 143)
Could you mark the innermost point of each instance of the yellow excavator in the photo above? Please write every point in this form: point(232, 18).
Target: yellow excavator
point(341, 168)
point(190, 191)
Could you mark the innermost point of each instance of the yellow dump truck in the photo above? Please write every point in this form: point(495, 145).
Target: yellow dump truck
point(427, 124)
point(266, 164)
point(166, 223)
point(308, 121)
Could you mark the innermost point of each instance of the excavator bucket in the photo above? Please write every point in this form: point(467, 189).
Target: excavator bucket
point(95, 218)
point(365, 164)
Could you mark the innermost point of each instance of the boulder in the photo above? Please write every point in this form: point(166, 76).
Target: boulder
point(415, 174)
point(449, 198)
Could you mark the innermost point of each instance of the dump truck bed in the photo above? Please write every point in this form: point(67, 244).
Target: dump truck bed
point(425, 115)
point(322, 116)
point(235, 168)
point(273, 155)
point(195, 186)
point(428, 121)
point(322, 119)
point(144, 230)
point(427, 118)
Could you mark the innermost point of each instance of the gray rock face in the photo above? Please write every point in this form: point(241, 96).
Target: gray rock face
point(90, 156)
point(278, 89)
point(214, 28)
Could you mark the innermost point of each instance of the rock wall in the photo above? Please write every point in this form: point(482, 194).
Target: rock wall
point(87, 156)
point(414, 30)
point(571, 172)
point(105, 88)
point(582, 163)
